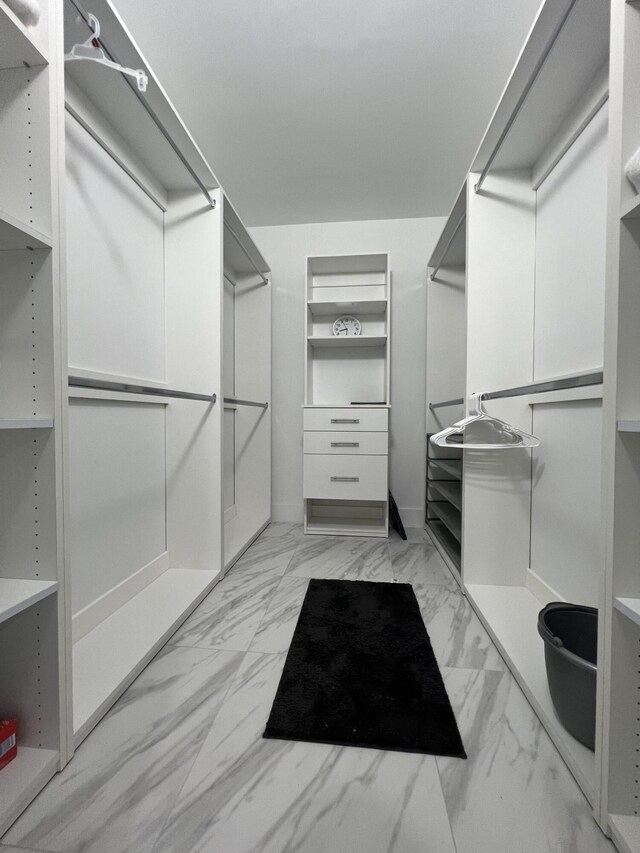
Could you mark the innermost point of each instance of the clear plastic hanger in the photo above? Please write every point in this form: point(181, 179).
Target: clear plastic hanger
point(91, 51)
point(483, 432)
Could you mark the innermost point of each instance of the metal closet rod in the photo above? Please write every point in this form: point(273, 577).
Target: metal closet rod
point(448, 246)
point(566, 382)
point(245, 252)
point(146, 390)
point(595, 378)
point(532, 79)
point(134, 88)
point(445, 403)
point(235, 402)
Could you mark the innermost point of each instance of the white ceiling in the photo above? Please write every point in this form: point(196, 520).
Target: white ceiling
point(334, 110)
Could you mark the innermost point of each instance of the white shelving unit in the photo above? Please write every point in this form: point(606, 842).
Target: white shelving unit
point(621, 485)
point(17, 594)
point(247, 378)
point(345, 470)
point(446, 379)
point(516, 288)
point(32, 594)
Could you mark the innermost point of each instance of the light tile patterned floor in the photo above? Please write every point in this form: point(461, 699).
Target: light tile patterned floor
point(179, 764)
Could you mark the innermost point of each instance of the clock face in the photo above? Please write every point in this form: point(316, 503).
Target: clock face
point(344, 326)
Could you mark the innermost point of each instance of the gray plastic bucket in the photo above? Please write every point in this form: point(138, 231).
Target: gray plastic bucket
point(570, 634)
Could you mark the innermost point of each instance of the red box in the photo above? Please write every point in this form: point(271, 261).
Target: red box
point(8, 741)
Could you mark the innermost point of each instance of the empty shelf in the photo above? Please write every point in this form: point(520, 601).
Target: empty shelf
point(15, 234)
point(625, 832)
point(628, 426)
point(108, 659)
point(22, 779)
point(26, 423)
point(449, 516)
point(510, 614)
point(451, 466)
point(344, 526)
point(17, 48)
point(441, 534)
point(17, 594)
point(630, 607)
point(631, 208)
point(359, 306)
point(451, 489)
point(347, 340)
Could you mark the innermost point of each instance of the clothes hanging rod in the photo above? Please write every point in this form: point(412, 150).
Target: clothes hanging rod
point(245, 252)
point(523, 96)
point(458, 402)
point(447, 247)
point(567, 382)
point(230, 280)
point(134, 88)
point(563, 384)
point(146, 390)
point(235, 402)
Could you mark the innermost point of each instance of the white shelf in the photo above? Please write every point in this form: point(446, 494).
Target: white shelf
point(625, 832)
point(510, 615)
point(630, 607)
point(448, 516)
point(338, 526)
point(628, 426)
point(356, 306)
point(26, 423)
point(108, 659)
point(17, 594)
point(15, 234)
point(347, 340)
point(23, 779)
point(631, 208)
point(451, 489)
point(17, 47)
point(451, 466)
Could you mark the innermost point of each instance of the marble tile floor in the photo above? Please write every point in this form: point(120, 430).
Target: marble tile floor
point(179, 764)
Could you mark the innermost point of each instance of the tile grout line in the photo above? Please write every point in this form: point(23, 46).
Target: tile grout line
point(199, 750)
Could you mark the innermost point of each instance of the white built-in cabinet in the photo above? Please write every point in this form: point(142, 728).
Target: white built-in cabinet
point(118, 346)
point(347, 396)
point(32, 576)
point(542, 286)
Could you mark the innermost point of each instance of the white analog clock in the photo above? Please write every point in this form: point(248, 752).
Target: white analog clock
point(344, 326)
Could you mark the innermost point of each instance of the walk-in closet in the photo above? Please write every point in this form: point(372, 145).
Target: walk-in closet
point(319, 418)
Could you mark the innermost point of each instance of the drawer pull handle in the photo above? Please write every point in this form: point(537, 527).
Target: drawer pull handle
point(345, 420)
point(345, 444)
point(345, 479)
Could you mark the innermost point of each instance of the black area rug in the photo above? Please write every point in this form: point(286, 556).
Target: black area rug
point(361, 672)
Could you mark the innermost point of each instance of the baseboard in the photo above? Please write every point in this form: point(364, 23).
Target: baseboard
point(97, 611)
point(293, 513)
point(412, 516)
point(541, 589)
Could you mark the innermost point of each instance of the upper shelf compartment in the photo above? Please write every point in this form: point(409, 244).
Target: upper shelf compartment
point(146, 121)
point(19, 45)
point(344, 278)
point(566, 53)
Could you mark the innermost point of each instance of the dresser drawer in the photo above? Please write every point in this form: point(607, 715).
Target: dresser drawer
point(347, 419)
point(344, 477)
point(366, 443)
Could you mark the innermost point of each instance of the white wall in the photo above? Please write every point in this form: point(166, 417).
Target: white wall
point(409, 243)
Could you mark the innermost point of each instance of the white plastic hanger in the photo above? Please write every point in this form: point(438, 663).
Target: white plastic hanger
point(91, 51)
point(489, 433)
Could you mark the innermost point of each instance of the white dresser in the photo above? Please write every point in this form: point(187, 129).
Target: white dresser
point(346, 410)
